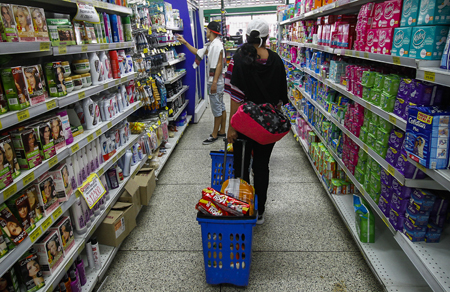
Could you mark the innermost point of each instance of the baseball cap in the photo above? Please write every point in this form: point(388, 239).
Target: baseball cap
point(214, 26)
point(259, 25)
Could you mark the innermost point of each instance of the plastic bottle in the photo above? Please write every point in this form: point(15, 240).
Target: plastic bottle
point(80, 114)
point(104, 60)
point(95, 155)
point(76, 169)
point(120, 101)
point(71, 168)
point(78, 217)
point(104, 146)
point(96, 69)
point(90, 114)
point(127, 164)
point(124, 96)
point(90, 157)
point(120, 174)
point(99, 152)
point(120, 27)
point(62, 287)
point(90, 255)
point(81, 270)
point(134, 150)
point(67, 283)
point(81, 166)
point(115, 64)
point(96, 253)
point(105, 184)
point(113, 178)
point(96, 209)
point(75, 284)
point(128, 33)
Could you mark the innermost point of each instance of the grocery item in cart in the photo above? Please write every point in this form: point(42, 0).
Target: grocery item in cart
point(227, 203)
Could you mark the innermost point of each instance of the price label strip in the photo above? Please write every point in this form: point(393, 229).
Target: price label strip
point(92, 190)
point(36, 234)
point(58, 212)
point(23, 115)
point(47, 223)
point(51, 104)
point(429, 76)
point(9, 192)
point(29, 178)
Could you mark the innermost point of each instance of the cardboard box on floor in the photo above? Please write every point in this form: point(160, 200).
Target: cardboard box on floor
point(147, 184)
point(132, 195)
point(119, 222)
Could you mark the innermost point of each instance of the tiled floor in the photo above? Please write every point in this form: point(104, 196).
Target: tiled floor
point(302, 246)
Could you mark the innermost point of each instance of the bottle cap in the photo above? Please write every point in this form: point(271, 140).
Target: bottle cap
point(73, 275)
point(62, 287)
point(93, 240)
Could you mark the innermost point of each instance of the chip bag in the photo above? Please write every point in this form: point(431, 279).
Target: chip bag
point(210, 208)
point(241, 190)
point(231, 205)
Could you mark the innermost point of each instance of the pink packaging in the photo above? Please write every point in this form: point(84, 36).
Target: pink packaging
point(377, 14)
point(390, 14)
point(353, 157)
point(366, 10)
point(358, 90)
point(326, 34)
point(385, 36)
point(371, 41)
point(347, 36)
point(349, 84)
point(319, 35)
point(351, 168)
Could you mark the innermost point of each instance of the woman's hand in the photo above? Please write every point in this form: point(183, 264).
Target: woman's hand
point(232, 135)
point(181, 39)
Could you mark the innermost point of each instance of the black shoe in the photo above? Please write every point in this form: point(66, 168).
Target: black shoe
point(221, 135)
point(260, 220)
point(210, 140)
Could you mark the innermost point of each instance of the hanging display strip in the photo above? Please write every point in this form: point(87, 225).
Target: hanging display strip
point(174, 141)
point(384, 256)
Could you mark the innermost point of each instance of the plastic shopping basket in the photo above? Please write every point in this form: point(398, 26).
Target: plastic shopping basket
point(227, 241)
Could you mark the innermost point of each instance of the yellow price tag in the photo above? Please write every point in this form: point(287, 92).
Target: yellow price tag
point(109, 125)
point(1, 125)
point(50, 289)
point(145, 50)
point(44, 46)
point(75, 148)
point(392, 119)
point(105, 86)
point(159, 122)
point(98, 132)
point(80, 249)
point(90, 138)
point(77, 194)
point(396, 60)
point(67, 267)
point(134, 108)
point(421, 167)
point(36, 234)
point(51, 104)
point(117, 81)
point(149, 30)
point(368, 106)
point(348, 53)
point(47, 223)
point(170, 111)
point(52, 161)
point(81, 95)
point(385, 221)
point(29, 178)
point(58, 212)
point(100, 172)
point(62, 50)
point(391, 169)
point(429, 76)
point(115, 158)
point(23, 115)
point(139, 83)
point(9, 192)
point(104, 47)
point(365, 148)
point(356, 53)
point(366, 55)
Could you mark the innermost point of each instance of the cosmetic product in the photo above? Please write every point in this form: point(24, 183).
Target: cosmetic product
point(78, 216)
point(81, 270)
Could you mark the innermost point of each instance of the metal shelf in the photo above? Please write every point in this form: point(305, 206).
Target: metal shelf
point(42, 48)
point(180, 110)
point(168, 43)
point(174, 141)
point(441, 176)
point(170, 81)
point(295, 65)
point(173, 62)
point(175, 28)
point(100, 5)
point(434, 74)
point(69, 50)
point(185, 88)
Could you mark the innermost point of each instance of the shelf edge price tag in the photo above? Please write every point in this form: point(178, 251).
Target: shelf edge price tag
point(35, 235)
point(366, 55)
point(98, 132)
point(47, 223)
point(29, 178)
point(145, 50)
point(368, 106)
point(391, 170)
point(392, 119)
point(396, 60)
point(58, 212)
point(84, 48)
point(80, 249)
point(101, 171)
point(75, 148)
point(90, 138)
point(421, 167)
point(115, 158)
point(170, 111)
point(117, 82)
point(429, 76)
point(9, 192)
point(365, 148)
point(92, 190)
point(62, 50)
point(44, 46)
point(23, 115)
point(81, 95)
point(51, 104)
point(105, 86)
point(109, 125)
point(52, 161)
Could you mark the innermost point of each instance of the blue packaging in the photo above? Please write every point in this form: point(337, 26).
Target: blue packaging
point(428, 42)
point(398, 203)
point(433, 234)
point(445, 61)
point(414, 233)
point(114, 28)
point(410, 12)
point(422, 200)
point(107, 24)
point(417, 218)
point(427, 136)
point(401, 42)
point(433, 12)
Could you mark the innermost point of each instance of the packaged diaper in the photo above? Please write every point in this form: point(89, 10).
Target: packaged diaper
point(422, 200)
point(386, 178)
point(418, 218)
point(392, 156)
point(396, 138)
point(433, 234)
point(384, 205)
point(433, 12)
point(410, 12)
point(440, 206)
point(428, 42)
point(396, 219)
point(425, 93)
point(365, 220)
point(400, 108)
point(414, 233)
point(404, 88)
point(438, 220)
point(398, 203)
point(386, 192)
point(401, 190)
point(407, 168)
point(427, 136)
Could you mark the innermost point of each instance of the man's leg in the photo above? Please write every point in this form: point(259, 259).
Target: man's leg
point(217, 122)
point(217, 113)
point(223, 123)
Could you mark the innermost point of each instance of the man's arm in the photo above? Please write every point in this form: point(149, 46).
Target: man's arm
point(218, 73)
point(188, 45)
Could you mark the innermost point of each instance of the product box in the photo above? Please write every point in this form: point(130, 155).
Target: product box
point(24, 23)
point(385, 36)
point(371, 41)
point(61, 180)
point(402, 41)
point(16, 89)
point(61, 32)
point(39, 24)
point(50, 252)
point(8, 24)
point(57, 132)
point(410, 13)
point(47, 193)
point(20, 207)
point(32, 193)
point(45, 139)
point(30, 271)
point(11, 226)
point(390, 16)
point(147, 184)
point(65, 230)
point(119, 222)
point(36, 85)
point(10, 281)
point(27, 148)
point(54, 72)
point(428, 42)
point(11, 168)
point(433, 12)
point(132, 195)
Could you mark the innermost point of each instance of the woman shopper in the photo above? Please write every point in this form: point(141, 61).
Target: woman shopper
point(251, 62)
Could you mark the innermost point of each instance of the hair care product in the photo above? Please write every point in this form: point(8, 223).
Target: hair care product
point(104, 146)
point(81, 270)
point(105, 184)
point(62, 287)
point(90, 255)
point(96, 209)
point(78, 216)
point(80, 114)
point(91, 116)
point(63, 116)
point(75, 284)
point(114, 28)
point(96, 69)
point(67, 282)
point(86, 162)
point(115, 64)
point(96, 253)
point(120, 173)
point(134, 150)
point(81, 165)
point(106, 66)
point(71, 168)
point(95, 155)
point(76, 170)
point(127, 164)
point(113, 178)
point(128, 34)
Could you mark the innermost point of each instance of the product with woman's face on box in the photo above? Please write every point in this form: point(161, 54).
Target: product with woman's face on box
point(3, 248)
point(47, 193)
point(30, 271)
point(3, 101)
point(34, 83)
point(24, 23)
point(20, 207)
point(50, 252)
point(32, 193)
point(63, 187)
point(45, 139)
point(11, 226)
point(65, 230)
point(39, 24)
point(9, 282)
point(8, 23)
point(5, 170)
point(57, 132)
point(27, 148)
point(55, 79)
point(15, 87)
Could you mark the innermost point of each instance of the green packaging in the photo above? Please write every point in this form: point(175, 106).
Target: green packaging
point(367, 114)
point(60, 32)
point(16, 89)
point(375, 97)
point(55, 79)
point(45, 139)
point(373, 129)
point(382, 136)
point(385, 125)
point(374, 195)
point(27, 148)
point(371, 140)
point(379, 81)
point(359, 175)
point(366, 183)
point(375, 119)
point(366, 122)
point(364, 219)
point(8, 24)
point(375, 182)
point(363, 134)
point(368, 78)
point(387, 103)
point(391, 84)
point(381, 149)
point(362, 155)
point(366, 93)
point(20, 207)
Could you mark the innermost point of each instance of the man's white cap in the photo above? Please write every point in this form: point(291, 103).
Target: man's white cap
point(259, 25)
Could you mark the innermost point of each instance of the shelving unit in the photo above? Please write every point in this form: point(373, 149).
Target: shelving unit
point(180, 110)
point(68, 50)
point(42, 48)
point(172, 80)
point(102, 6)
point(175, 28)
point(185, 88)
point(173, 62)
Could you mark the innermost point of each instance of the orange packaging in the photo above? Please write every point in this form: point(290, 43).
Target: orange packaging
point(317, 4)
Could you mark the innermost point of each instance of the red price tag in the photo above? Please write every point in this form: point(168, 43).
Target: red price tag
point(92, 190)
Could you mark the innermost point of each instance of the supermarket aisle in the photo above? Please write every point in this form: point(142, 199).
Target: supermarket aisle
point(302, 246)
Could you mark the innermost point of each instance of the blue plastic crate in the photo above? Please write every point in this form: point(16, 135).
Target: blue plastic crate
point(217, 166)
point(227, 247)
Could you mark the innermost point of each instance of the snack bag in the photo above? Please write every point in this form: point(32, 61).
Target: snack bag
point(209, 208)
point(241, 190)
point(227, 203)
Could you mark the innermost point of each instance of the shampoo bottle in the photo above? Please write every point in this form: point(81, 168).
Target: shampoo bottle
point(75, 284)
point(81, 165)
point(81, 271)
point(120, 174)
point(127, 164)
point(70, 168)
point(90, 255)
point(67, 283)
point(104, 61)
point(87, 212)
point(90, 156)
point(115, 64)
point(78, 216)
point(96, 253)
point(77, 170)
point(113, 177)
point(90, 113)
point(96, 69)
point(80, 114)
point(87, 165)
point(105, 184)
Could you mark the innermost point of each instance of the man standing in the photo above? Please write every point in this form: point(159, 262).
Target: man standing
point(216, 57)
